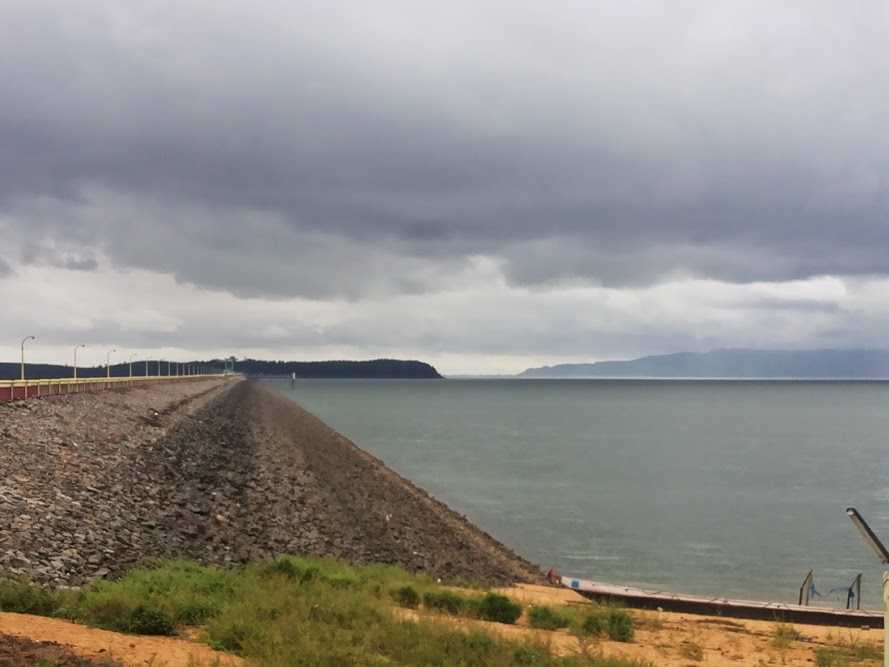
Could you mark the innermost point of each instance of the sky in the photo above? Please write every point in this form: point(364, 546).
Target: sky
point(483, 185)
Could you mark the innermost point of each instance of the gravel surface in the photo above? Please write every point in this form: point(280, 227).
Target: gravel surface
point(96, 483)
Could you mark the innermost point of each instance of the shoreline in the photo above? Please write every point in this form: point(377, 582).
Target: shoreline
point(220, 472)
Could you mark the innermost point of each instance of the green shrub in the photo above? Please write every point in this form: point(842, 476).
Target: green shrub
point(231, 635)
point(445, 601)
point(147, 620)
point(343, 581)
point(293, 568)
point(620, 625)
point(122, 615)
point(499, 608)
point(406, 596)
point(283, 567)
point(528, 655)
point(312, 611)
point(616, 624)
point(27, 598)
point(594, 624)
point(545, 618)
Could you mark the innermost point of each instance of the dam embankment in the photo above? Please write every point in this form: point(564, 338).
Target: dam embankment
point(219, 471)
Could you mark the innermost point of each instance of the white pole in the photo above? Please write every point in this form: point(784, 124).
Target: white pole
point(25, 340)
point(108, 364)
point(76, 347)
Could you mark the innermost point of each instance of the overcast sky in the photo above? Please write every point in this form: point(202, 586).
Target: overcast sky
point(486, 185)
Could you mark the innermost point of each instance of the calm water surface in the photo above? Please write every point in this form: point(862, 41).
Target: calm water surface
point(723, 488)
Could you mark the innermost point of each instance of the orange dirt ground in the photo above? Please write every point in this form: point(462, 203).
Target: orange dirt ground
point(662, 638)
point(131, 650)
point(679, 640)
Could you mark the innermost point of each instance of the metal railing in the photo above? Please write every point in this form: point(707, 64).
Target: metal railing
point(18, 390)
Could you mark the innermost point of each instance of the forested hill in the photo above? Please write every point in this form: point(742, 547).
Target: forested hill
point(821, 364)
point(377, 368)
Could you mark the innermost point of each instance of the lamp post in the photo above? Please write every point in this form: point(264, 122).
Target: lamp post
point(25, 340)
point(132, 356)
point(76, 347)
point(108, 364)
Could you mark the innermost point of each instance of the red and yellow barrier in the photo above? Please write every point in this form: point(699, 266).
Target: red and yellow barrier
point(19, 390)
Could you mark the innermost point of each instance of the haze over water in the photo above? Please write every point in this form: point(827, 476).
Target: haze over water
point(733, 488)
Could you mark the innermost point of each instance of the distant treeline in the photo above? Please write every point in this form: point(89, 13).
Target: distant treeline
point(378, 369)
point(12, 371)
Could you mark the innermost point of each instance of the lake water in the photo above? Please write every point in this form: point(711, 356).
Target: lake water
point(711, 487)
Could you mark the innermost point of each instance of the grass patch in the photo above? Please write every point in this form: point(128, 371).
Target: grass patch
point(319, 612)
point(407, 597)
point(830, 657)
point(847, 651)
point(546, 618)
point(448, 602)
point(611, 622)
point(784, 634)
point(23, 597)
point(499, 608)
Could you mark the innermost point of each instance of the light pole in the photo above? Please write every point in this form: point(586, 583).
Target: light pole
point(108, 364)
point(25, 340)
point(132, 356)
point(76, 347)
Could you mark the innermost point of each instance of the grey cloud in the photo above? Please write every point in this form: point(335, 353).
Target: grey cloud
point(5, 268)
point(326, 149)
point(76, 260)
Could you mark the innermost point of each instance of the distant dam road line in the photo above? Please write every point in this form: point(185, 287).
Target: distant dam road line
point(19, 390)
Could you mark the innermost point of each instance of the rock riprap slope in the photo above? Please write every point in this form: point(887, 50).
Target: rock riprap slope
point(236, 473)
point(70, 468)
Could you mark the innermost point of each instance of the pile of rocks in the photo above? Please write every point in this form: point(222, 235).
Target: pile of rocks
point(68, 469)
point(237, 473)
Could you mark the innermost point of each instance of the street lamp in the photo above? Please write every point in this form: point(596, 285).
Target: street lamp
point(108, 363)
point(132, 356)
point(76, 347)
point(25, 340)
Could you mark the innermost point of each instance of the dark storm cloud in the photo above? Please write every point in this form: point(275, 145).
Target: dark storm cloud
point(326, 148)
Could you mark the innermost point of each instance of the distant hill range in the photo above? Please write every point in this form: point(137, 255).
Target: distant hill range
point(376, 369)
point(803, 364)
